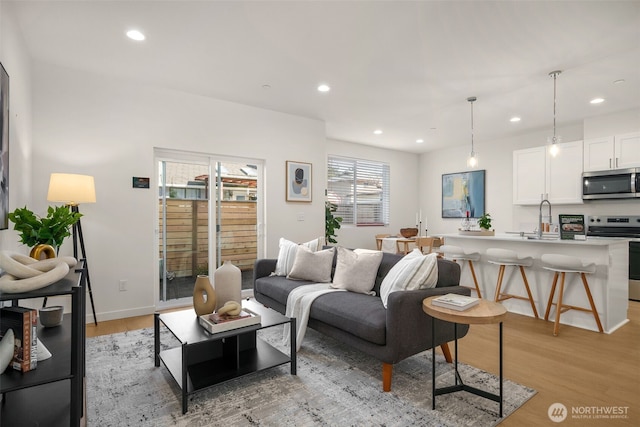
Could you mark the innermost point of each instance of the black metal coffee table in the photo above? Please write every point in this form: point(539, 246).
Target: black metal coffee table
point(204, 359)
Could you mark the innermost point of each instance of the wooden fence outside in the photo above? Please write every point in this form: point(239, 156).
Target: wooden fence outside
point(188, 235)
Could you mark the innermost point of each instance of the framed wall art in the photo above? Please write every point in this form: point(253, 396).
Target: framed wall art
point(299, 181)
point(4, 154)
point(463, 192)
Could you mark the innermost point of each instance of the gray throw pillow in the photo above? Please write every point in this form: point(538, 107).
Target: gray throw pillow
point(312, 266)
point(356, 270)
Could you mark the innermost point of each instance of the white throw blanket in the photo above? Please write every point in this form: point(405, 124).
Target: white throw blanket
point(299, 304)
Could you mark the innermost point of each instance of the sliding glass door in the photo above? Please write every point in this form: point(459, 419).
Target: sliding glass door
point(208, 212)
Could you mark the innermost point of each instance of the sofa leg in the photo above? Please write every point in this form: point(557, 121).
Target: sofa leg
point(387, 371)
point(446, 352)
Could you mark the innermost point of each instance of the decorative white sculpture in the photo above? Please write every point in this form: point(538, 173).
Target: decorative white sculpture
point(6, 349)
point(24, 274)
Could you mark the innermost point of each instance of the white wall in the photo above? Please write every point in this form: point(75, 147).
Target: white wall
point(108, 128)
point(403, 192)
point(14, 58)
point(496, 158)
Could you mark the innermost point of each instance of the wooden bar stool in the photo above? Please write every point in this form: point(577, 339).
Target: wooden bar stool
point(560, 265)
point(503, 258)
point(456, 253)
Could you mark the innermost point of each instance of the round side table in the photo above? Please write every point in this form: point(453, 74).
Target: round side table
point(483, 313)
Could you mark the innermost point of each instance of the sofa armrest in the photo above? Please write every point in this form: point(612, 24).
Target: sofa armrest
point(263, 268)
point(408, 326)
point(404, 308)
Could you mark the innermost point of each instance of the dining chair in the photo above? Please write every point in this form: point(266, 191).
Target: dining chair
point(379, 238)
point(425, 242)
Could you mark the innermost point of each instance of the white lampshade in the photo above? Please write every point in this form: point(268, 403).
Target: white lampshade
point(71, 189)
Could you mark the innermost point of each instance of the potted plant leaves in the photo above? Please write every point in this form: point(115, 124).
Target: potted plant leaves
point(332, 222)
point(484, 222)
point(41, 233)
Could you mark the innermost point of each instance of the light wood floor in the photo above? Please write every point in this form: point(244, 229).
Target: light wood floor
point(578, 368)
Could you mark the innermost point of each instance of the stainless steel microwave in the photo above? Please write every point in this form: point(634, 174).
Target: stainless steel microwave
point(611, 184)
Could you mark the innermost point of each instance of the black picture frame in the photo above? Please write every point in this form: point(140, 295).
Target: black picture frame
point(4, 152)
point(462, 192)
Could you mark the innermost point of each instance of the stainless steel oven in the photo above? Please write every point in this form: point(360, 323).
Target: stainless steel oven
point(621, 226)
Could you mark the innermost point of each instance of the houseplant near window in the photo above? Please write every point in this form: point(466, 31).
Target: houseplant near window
point(50, 230)
point(332, 223)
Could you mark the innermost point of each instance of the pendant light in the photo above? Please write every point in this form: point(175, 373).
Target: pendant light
point(554, 140)
point(472, 161)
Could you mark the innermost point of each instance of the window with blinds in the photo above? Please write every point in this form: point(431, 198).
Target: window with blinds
point(360, 189)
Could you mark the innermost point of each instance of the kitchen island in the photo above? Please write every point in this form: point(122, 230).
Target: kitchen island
point(609, 284)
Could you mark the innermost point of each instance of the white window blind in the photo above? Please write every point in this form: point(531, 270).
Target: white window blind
point(360, 189)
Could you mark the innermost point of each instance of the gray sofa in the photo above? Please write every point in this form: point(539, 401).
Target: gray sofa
point(390, 335)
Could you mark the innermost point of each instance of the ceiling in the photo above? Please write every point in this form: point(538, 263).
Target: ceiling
point(406, 68)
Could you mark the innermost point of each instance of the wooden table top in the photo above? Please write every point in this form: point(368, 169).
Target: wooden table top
point(485, 312)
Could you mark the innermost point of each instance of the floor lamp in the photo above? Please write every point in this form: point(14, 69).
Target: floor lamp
point(73, 189)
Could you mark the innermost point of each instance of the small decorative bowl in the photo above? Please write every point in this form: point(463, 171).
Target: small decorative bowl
point(408, 232)
point(51, 316)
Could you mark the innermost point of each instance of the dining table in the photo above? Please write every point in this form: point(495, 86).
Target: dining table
point(399, 244)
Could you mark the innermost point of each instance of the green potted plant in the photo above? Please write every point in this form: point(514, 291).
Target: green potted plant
point(50, 230)
point(484, 222)
point(332, 223)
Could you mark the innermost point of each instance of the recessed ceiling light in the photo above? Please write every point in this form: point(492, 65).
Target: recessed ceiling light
point(324, 88)
point(135, 35)
point(619, 81)
point(377, 132)
point(266, 87)
point(514, 119)
point(419, 141)
point(597, 101)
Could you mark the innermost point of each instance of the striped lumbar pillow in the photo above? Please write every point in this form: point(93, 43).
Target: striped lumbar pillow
point(413, 271)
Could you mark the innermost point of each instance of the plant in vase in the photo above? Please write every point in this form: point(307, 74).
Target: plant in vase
point(484, 222)
point(49, 231)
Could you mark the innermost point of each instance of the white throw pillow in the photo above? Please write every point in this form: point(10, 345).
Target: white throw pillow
point(313, 266)
point(287, 254)
point(413, 271)
point(356, 270)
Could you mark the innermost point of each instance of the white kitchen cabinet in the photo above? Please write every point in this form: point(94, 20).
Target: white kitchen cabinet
point(529, 175)
point(564, 174)
point(537, 173)
point(612, 152)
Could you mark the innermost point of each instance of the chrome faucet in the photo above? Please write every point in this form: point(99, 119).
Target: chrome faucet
point(540, 226)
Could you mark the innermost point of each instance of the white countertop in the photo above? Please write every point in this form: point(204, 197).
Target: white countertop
point(591, 241)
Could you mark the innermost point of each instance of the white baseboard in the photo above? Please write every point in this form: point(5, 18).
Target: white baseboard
point(121, 314)
point(139, 311)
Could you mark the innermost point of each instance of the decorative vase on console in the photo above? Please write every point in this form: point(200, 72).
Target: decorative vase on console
point(203, 288)
point(466, 223)
point(228, 282)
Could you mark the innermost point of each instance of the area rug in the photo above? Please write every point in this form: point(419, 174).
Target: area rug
point(335, 386)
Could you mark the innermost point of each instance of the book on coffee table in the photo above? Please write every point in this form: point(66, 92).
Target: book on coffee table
point(215, 323)
point(455, 301)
